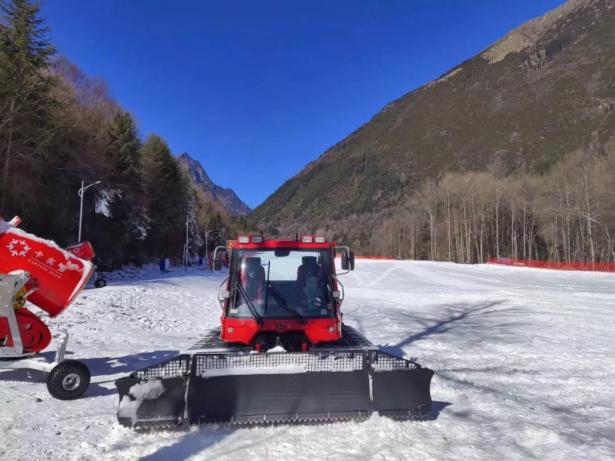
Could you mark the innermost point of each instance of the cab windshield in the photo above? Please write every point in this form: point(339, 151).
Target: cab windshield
point(281, 283)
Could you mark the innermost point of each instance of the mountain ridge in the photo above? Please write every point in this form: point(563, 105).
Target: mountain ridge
point(518, 107)
point(226, 197)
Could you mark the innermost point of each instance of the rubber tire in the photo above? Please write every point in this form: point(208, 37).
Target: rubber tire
point(100, 283)
point(59, 372)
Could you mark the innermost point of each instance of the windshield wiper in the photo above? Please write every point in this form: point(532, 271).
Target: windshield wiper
point(284, 304)
point(267, 286)
point(248, 301)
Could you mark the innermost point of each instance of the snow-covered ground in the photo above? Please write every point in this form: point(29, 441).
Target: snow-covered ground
point(524, 362)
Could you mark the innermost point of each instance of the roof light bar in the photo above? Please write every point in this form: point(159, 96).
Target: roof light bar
point(250, 238)
point(313, 239)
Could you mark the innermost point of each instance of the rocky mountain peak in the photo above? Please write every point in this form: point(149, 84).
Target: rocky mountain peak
point(224, 196)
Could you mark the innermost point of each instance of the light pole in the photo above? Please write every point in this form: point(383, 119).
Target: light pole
point(186, 251)
point(80, 193)
point(206, 246)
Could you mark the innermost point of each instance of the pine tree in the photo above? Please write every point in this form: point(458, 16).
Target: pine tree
point(168, 198)
point(123, 149)
point(121, 233)
point(26, 99)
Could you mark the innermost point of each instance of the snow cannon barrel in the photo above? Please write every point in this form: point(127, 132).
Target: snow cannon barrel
point(58, 275)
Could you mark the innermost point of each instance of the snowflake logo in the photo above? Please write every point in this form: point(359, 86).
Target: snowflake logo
point(18, 247)
point(51, 261)
point(39, 254)
point(62, 267)
point(73, 267)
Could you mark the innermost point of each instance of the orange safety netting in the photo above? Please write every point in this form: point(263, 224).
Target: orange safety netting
point(561, 265)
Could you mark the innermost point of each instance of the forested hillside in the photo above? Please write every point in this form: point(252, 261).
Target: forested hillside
point(511, 153)
point(59, 127)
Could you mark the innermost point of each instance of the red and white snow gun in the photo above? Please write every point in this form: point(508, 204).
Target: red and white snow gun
point(49, 277)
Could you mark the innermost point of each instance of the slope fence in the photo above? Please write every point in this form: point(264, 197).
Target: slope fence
point(561, 265)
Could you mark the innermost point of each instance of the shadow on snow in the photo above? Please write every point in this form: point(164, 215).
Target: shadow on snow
point(99, 368)
point(434, 327)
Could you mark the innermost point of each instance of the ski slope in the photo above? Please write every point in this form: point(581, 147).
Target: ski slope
point(524, 362)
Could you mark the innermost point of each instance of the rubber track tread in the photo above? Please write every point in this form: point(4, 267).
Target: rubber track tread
point(260, 422)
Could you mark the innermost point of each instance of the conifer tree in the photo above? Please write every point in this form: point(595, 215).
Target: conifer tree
point(168, 197)
point(124, 227)
point(26, 98)
point(123, 149)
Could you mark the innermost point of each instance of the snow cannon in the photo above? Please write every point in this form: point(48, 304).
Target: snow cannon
point(54, 277)
point(39, 271)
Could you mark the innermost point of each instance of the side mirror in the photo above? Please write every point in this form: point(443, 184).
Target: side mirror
point(345, 261)
point(220, 258)
point(347, 258)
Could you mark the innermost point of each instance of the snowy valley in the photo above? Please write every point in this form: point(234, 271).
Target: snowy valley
point(523, 362)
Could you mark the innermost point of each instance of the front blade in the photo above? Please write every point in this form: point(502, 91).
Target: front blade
point(154, 396)
point(276, 387)
point(400, 387)
point(240, 387)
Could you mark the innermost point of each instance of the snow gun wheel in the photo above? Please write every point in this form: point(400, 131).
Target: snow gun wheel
point(100, 283)
point(68, 380)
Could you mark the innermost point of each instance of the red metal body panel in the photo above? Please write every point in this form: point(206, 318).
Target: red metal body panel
point(60, 274)
point(83, 250)
point(35, 336)
point(245, 330)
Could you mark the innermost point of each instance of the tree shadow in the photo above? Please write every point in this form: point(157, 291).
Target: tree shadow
point(437, 406)
point(189, 445)
point(576, 417)
point(195, 442)
point(99, 368)
point(111, 366)
point(434, 327)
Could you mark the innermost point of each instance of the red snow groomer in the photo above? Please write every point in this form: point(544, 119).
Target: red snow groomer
point(282, 352)
point(38, 271)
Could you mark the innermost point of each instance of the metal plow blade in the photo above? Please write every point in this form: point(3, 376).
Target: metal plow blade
point(326, 385)
point(156, 395)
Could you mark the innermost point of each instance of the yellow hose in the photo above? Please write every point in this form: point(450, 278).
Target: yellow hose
point(20, 299)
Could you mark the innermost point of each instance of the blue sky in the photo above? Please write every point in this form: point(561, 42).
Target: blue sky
point(257, 89)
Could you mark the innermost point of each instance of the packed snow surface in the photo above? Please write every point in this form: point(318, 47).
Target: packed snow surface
point(524, 362)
